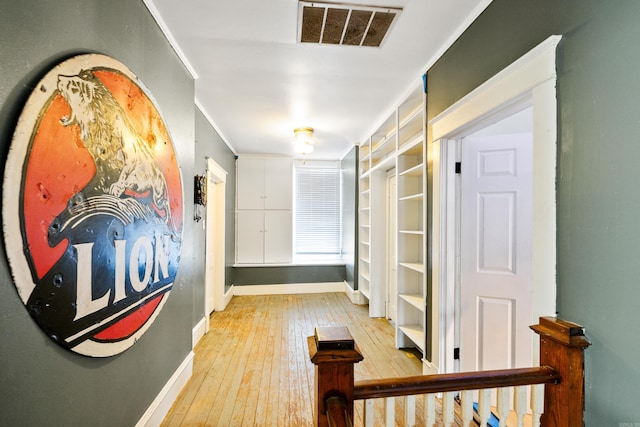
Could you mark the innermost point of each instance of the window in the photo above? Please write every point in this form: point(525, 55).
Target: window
point(317, 209)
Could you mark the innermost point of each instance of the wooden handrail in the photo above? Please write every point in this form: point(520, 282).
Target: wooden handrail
point(424, 384)
point(334, 354)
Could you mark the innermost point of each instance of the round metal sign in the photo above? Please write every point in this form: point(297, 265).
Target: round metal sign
point(92, 206)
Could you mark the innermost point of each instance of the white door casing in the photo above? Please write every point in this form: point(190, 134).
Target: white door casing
point(495, 252)
point(529, 81)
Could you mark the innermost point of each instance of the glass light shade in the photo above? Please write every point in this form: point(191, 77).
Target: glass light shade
point(303, 143)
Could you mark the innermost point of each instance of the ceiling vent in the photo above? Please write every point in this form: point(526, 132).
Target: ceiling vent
point(342, 24)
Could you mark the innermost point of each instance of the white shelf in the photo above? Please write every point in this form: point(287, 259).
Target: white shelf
point(413, 171)
point(413, 266)
point(415, 333)
point(416, 113)
point(365, 292)
point(410, 143)
point(413, 232)
point(411, 197)
point(397, 143)
point(416, 300)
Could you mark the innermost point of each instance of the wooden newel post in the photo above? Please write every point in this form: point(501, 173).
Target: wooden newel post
point(562, 347)
point(334, 354)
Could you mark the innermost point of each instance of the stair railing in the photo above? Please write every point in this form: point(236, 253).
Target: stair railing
point(557, 385)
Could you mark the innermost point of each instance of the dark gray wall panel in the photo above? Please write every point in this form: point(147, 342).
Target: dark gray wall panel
point(285, 275)
point(349, 166)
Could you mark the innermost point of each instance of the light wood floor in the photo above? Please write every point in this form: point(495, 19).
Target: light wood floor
point(253, 368)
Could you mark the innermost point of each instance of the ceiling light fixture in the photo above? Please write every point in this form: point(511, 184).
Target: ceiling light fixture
point(303, 143)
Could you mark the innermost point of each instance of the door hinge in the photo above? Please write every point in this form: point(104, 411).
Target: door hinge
point(456, 353)
point(458, 167)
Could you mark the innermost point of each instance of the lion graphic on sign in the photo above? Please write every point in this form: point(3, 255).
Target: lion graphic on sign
point(123, 158)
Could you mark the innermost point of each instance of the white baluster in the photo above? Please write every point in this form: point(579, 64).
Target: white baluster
point(389, 412)
point(503, 405)
point(448, 408)
point(520, 404)
point(484, 405)
point(410, 411)
point(537, 403)
point(369, 412)
point(467, 407)
point(429, 410)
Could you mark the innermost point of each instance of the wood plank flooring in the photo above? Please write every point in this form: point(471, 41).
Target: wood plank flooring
point(253, 368)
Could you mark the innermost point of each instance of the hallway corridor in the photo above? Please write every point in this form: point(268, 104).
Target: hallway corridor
point(253, 367)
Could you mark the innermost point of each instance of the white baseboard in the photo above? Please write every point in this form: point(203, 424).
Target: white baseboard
point(162, 403)
point(226, 299)
point(289, 288)
point(198, 332)
point(429, 368)
point(354, 296)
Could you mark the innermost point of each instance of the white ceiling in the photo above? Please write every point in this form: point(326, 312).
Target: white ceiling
point(255, 83)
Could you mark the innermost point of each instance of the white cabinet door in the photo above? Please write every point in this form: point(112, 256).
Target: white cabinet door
point(278, 236)
point(265, 183)
point(250, 183)
point(278, 183)
point(250, 237)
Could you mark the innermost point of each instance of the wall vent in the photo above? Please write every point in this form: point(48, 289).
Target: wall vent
point(342, 24)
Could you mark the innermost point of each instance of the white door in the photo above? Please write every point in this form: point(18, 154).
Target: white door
point(210, 252)
point(278, 183)
point(392, 269)
point(495, 252)
point(250, 183)
point(278, 236)
point(250, 237)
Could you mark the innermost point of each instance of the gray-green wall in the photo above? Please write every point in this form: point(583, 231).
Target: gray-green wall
point(598, 201)
point(209, 144)
point(41, 384)
point(349, 166)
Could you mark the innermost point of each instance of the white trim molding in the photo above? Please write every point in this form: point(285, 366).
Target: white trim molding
point(155, 13)
point(159, 408)
point(528, 82)
point(198, 332)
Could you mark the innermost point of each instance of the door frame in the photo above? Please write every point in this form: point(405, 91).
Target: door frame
point(529, 81)
point(215, 228)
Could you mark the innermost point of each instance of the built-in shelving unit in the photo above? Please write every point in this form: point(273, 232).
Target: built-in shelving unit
point(397, 144)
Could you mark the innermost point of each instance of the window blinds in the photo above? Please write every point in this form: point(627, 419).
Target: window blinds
point(317, 215)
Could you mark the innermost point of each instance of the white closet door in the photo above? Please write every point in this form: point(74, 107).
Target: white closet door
point(278, 183)
point(278, 236)
point(250, 183)
point(250, 237)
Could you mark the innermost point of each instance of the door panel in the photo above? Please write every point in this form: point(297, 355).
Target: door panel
point(278, 236)
point(496, 233)
point(250, 245)
point(278, 183)
point(495, 252)
point(250, 183)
